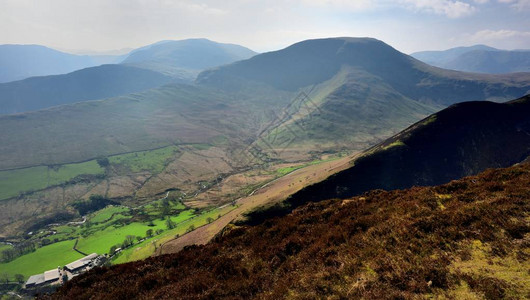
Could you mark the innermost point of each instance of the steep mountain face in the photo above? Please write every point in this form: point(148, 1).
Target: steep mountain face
point(461, 140)
point(358, 90)
point(86, 84)
point(312, 62)
point(464, 240)
point(481, 59)
point(184, 59)
point(22, 61)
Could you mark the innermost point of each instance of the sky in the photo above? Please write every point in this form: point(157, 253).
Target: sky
point(83, 26)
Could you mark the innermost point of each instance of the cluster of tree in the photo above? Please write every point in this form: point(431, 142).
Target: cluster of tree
point(170, 224)
point(103, 162)
point(95, 202)
point(5, 278)
point(50, 219)
point(19, 250)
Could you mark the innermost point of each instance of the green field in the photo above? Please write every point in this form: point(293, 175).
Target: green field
point(100, 241)
point(14, 182)
point(107, 213)
point(151, 160)
point(147, 247)
point(43, 259)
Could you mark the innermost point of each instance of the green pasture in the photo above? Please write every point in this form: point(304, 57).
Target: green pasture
point(14, 182)
point(147, 247)
point(107, 213)
point(43, 259)
point(151, 160)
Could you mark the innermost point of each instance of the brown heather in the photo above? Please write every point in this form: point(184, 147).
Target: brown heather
point(468, 239)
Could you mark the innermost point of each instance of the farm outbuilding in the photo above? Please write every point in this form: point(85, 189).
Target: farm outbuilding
point(81, 263)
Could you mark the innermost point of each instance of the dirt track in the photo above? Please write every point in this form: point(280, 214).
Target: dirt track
point(272, 192)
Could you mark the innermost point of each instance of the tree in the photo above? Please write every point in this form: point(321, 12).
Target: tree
point(209, 220)
point(129, 241)
point(170, 224)
point(9, 254)
point(139, 238)
point(103, 162)
point(149, 233)
point(113, 249)
point(191, 228)
point(4, 277)
point(159, 231)
point(19, 278)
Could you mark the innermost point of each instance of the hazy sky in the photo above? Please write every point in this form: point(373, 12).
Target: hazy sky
point(408, 25)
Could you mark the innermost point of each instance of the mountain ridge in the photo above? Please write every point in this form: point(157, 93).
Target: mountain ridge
point(479, 59)
point(18, 62)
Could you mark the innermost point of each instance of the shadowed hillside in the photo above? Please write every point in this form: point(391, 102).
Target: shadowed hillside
point(461, 140)
point(464, 240)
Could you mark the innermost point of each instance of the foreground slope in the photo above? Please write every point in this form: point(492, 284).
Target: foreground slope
point(466, 239)
point(82, 85)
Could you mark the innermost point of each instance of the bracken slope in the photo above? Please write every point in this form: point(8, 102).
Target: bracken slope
point(468, 238)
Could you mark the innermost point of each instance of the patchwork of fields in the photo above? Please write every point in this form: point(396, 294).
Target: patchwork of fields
point(104, 229)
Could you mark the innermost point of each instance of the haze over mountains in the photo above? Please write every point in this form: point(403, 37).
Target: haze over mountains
point(87, 84)
point(22, 61)
point(191, 140)
point(186, 58)
point(314, 97)
point(479, 58)
point(144, 68)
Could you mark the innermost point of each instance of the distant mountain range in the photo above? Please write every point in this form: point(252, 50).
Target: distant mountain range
point(299, 103)
point(355, 92)
point(479, 58)
point(184, 59)
point(22, 61)
point(143, 68)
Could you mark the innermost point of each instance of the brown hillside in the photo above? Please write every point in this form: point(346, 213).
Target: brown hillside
point(465, 239)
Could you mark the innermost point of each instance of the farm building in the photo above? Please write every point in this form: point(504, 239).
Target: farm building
point(49, 277)
point(82, 263)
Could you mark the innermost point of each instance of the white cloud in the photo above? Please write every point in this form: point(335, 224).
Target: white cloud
point(517, 4)
point(357, 5)
point(493, 35)
point(449, 8)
